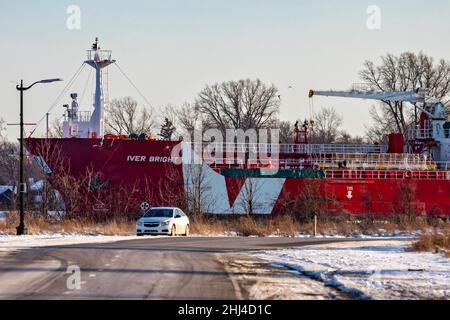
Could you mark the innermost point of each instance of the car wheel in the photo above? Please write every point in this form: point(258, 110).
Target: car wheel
point(173, 232)
point(186, 233)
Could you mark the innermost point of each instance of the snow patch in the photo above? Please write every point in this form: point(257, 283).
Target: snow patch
point(370, 270)
point(10, 242)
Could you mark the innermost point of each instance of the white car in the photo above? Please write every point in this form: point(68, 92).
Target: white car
point(163, 221)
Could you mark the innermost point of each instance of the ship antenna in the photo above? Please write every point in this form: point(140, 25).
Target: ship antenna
point(95, 44)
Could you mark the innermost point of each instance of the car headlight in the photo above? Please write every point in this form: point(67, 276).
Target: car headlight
point(166, 223)
point(140, 223)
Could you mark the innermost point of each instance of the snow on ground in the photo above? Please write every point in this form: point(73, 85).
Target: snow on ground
point(380, 235)
point(256, 280)
point(10, 242)
point(370, 270)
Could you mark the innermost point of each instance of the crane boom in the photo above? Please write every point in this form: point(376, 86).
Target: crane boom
point(412, 96)
point(403, 96)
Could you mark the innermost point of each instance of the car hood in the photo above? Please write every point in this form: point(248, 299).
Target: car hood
point(154, 220)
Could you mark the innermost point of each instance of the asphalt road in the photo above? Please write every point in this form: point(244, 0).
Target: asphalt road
point(151, 268)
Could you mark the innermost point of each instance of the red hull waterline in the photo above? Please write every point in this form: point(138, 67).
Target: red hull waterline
point(146, 171)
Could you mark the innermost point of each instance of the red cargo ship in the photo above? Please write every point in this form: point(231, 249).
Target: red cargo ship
point(408, 175)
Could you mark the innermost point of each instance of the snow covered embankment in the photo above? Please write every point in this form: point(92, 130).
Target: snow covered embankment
point(370, 270)
point(9, 242)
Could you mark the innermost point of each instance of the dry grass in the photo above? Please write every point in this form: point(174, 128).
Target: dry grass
point(207, 225)
point(242, 225)
point(287, 226)
point(436, 241)
point(37, 224)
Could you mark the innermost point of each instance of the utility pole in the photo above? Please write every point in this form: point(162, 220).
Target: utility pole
point(45, 186)
point(21, 229)
point(315, 226)
point(46, 121)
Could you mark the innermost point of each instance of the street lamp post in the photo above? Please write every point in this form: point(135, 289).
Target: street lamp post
point(21, 229)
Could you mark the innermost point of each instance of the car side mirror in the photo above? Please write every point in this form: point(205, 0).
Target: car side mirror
point(177, 216)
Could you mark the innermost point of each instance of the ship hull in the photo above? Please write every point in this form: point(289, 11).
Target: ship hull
point(123, 174)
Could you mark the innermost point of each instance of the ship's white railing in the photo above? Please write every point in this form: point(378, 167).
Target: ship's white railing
point(102, 54)
point(333, 148)
point(387, 175)
point(329, 164)
point(413, 134)
point(372, 174)
point(371, 157)
point(292, 148)
point(376, 165)
point(443, 165)
point(79, 116)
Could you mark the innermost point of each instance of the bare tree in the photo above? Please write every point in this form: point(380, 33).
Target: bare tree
point(306, 201)
point(9, 165)
point(124, 117)
point(243, 104)
point(286, 131)
point(405, 203)
point(188, 118)
point(171, 113)
point(56, 129)
point(326, 127)
point(251, 193)
point(9, 157)
point(197, 184)
point(346, 138)
point(408, 71)
point(2, 129)
point(167, 130)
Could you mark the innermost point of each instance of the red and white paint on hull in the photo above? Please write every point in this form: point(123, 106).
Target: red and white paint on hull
point(135, 165)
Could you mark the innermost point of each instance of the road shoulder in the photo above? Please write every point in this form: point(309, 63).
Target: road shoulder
point(255, 279)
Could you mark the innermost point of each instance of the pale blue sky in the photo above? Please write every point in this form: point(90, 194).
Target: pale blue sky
point(172, 49)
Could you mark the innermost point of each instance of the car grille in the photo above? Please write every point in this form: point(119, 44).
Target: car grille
point(151, 225)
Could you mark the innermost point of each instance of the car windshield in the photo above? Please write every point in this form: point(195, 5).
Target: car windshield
point(159, 213)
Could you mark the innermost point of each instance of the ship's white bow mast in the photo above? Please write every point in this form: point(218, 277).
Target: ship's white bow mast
point(86, 124)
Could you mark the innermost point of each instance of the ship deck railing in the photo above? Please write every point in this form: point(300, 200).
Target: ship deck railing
point(387, 175)
point(424, 134)
point(293, 148)
point(328, 165)
point(365, 165)
point(371, 157)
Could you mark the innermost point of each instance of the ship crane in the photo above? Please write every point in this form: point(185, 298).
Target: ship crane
point(433, 134)
point(418, 98)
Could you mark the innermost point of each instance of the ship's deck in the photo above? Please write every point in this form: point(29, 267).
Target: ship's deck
point(330, 157)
